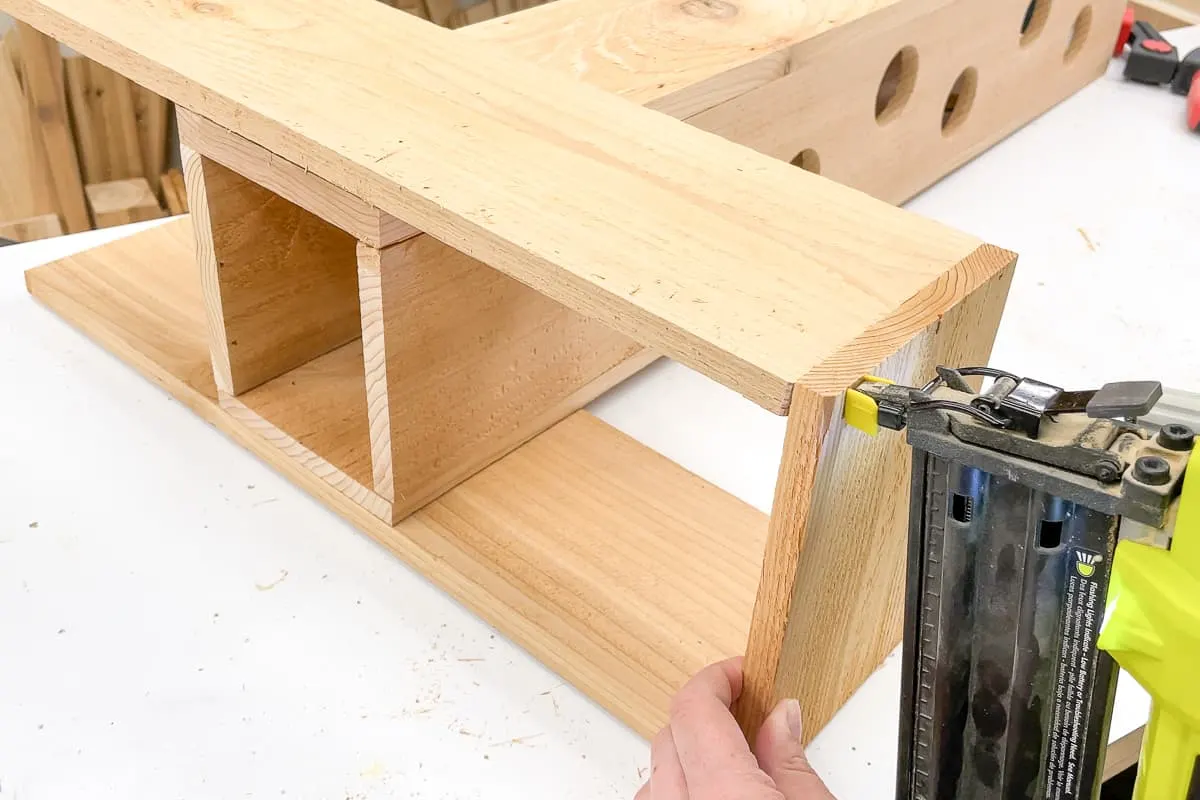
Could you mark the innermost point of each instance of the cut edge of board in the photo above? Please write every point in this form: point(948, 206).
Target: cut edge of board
point(564, 592)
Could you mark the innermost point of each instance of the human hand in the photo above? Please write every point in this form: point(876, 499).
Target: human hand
point(702, 755)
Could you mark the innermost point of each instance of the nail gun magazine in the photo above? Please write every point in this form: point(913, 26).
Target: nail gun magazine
point(1051, 537)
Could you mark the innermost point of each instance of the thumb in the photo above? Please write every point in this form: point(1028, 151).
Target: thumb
point(780, 754)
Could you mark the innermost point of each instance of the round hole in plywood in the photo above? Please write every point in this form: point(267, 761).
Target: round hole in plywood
point(896, 85)
point(959, 101)
point(808, 160)
point(1034, 21)
point(1079, 34)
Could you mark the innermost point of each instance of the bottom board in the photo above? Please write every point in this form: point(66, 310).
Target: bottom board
point(612, 565)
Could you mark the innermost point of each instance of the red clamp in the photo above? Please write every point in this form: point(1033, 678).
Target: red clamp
point(1126, 29)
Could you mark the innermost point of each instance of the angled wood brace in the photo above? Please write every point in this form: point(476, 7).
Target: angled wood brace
point(406, 289)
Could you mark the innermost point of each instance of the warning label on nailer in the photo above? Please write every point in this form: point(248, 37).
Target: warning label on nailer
point(1083, 608)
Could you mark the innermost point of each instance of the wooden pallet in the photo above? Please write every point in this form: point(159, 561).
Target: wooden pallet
point(403, 304)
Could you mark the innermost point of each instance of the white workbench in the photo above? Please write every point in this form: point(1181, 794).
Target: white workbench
point(176, 620)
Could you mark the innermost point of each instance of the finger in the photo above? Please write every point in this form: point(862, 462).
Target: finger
point(644, 792)
point(708, 741)
point(666, 773)
point(780, 752)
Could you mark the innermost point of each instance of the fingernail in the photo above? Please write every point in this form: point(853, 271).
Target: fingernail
point(794, 723)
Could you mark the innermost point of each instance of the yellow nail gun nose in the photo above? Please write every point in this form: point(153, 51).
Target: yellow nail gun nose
point(1049, 533)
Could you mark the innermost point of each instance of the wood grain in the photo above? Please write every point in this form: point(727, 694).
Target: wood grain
point(295, 184)
point(616, 568)
point(42, 75)
point(831, 599)
point(122, 202)
point(286, 279)
point(630, 217)
point(474, 363)
point(31, 229)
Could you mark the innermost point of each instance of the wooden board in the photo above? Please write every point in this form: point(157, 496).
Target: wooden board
point(316, 415)
point(800, 80)
point(42, 74)
point(830, 604)
point(1167, 15)
point(676, 57)
point(174, 192)
point(473, 363)
point(25, 187)
point(614, 567)
point(291, 182)
point(31, 229)
point(122, 202)
point(630, 217)
point(87, 120)
point(150, 118)
point(284, 281)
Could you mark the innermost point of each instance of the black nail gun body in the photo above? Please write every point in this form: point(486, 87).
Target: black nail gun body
point(1017, 497)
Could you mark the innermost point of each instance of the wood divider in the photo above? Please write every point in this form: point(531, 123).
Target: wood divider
point(465, 363)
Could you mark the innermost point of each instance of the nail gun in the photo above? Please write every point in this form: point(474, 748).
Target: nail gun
point(1049, 534)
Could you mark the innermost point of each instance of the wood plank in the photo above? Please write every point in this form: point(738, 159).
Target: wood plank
point(122, 202)
point(619, 222)
point(12, 50)
point(613, 566)
point(291, 182)
point(31, 229)
point(440, 11)
point(174, 192)
point(471, 15)
point(87, 119)
point(316, 415)
point(1166, 15)
point(679, 58)
point(150, 119)
point(826, 100)
point(42, 71)
point(831, 600)
point(286, 280)
point(25, 188)
point(1123, 753)
point(473, 364)
point(114, 99)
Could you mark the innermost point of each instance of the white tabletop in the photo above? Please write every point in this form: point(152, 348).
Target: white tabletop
point(177, 620)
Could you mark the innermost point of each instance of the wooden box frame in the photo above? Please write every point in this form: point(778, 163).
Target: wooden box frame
point(297, 339)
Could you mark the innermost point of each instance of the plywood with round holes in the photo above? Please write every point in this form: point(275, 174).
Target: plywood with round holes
point(891, 102)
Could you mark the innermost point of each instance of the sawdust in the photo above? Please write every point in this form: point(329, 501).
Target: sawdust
point(1087, 239)
point(283, 573)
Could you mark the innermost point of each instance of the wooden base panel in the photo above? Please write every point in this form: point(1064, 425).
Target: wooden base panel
point(610, 564)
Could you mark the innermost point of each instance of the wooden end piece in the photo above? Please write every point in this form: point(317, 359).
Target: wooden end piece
point(831, 598)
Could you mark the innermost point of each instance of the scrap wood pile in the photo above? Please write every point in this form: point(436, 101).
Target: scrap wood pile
point(80, 146)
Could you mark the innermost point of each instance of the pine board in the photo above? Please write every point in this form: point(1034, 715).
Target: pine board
point(632, 218)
